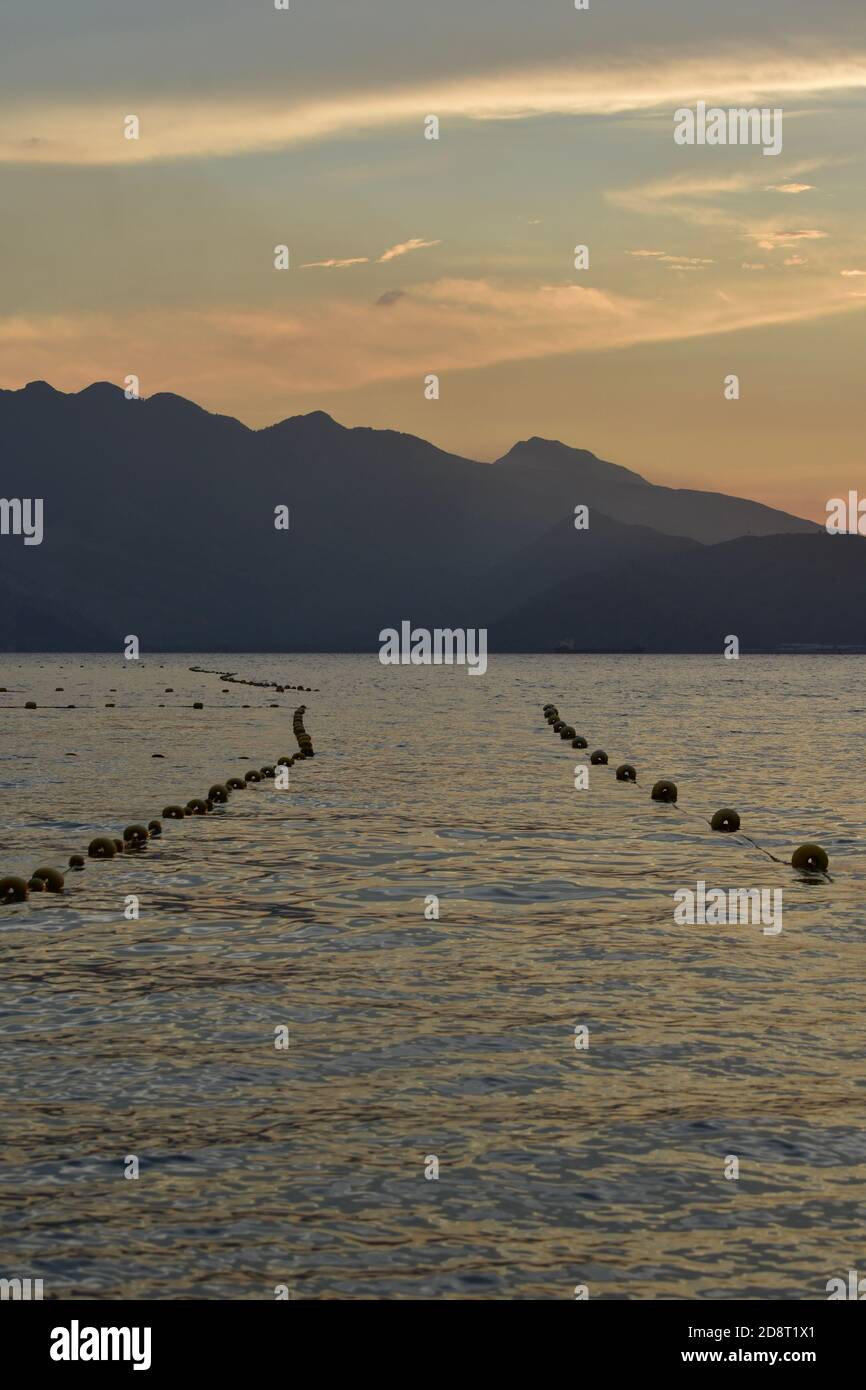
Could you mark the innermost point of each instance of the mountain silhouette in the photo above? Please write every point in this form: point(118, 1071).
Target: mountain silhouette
point(159, 521)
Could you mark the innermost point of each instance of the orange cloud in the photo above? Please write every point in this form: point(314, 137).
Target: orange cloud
point(242, 361)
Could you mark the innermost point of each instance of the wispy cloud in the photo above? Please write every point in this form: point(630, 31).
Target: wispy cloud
point(336, 264)
point(91, 132)
point(690, 195)
point(771, 240)
point(404, 247)
point(675, 262)
point(401, 249)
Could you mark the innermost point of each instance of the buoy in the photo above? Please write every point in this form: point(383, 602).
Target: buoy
point(196, 806)
point(198, 705)
point(157, 755)
point(52, 878)
point(155, 827)
point(169, 690)
point(76, 861)
point(812, 857)
point(13, 889)
point(110, 705)
point(567, 732)
point(30, 704)
point(558, 725)
point(726, 820)
point(135, 834)
point(664, 791)
point(118, 845)
point(284, 761)
point(235, 784)
point(101, 848)
point(579, 742)
point(252, 777)
point(173, 813)
point(36, 885)
point(626, 773)
point(218, 793)
point(269, 771)
point(599, 756)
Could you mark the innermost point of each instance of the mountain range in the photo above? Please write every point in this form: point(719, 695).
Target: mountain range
point(159, 521)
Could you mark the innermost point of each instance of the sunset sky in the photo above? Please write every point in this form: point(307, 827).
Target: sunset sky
point(409, 256)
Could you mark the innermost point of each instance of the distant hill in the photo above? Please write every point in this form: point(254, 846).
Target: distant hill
point(159, 522)
point(769, 591)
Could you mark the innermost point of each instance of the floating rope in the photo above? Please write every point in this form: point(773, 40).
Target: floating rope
point(809, 857)
point(14, 889)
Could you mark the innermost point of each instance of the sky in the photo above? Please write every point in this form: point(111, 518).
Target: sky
point(409, 257)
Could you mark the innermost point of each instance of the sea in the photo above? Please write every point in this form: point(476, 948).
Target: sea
point(422, 1024)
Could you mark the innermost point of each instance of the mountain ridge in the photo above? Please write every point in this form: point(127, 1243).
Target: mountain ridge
point(554, 447)
point(159, 520)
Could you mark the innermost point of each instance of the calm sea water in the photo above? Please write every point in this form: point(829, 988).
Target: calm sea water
point(411, 1038)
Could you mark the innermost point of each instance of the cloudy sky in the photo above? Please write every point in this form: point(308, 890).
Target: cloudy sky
point(409, 256)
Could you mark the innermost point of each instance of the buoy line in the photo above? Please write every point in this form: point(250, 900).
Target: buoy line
point(231, 677)
point(14, 889)
point(809, 857)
